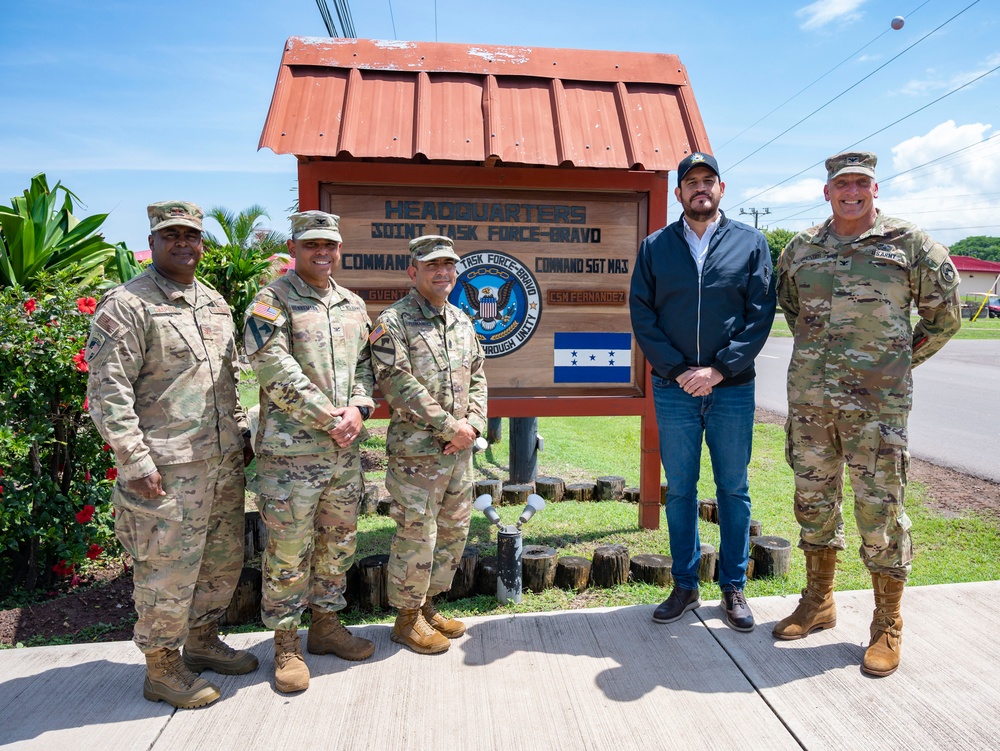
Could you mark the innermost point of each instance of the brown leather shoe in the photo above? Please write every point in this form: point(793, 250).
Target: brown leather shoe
point(738, 614)
point(169, 679)
point(448, 627)
point(327, 635)
point(413, 631)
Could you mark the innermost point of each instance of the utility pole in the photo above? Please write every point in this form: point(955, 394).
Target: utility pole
point(756, 213)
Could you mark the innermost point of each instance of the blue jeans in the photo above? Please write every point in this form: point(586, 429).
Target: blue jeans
point(725, 419)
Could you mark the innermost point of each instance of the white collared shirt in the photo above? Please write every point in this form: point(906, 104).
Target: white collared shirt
point(699, 245)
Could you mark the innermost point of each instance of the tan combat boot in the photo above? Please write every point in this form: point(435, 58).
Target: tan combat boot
point(412, 630)
point(169, 679)
point(448, 627)
point(327, 635)
point(204, 650)
point(816, 609)
point(882, 655)
point(290, 671)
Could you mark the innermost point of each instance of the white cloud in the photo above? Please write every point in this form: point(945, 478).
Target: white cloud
point(823, 12)
point(951, 195)
point(934, 82)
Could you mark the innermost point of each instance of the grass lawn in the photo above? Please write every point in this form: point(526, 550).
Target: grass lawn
point(954, 549)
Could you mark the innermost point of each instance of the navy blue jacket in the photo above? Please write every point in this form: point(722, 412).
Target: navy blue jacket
point(720, 318)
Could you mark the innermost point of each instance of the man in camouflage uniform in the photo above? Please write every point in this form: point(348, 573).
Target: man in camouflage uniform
point(846, 288)
point(429, 365)
point(307, 339)
point(162, 392)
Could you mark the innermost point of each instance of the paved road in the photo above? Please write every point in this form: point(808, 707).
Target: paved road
point(956, 404)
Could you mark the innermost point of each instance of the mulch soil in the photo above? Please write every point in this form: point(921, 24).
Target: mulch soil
point(100, 608)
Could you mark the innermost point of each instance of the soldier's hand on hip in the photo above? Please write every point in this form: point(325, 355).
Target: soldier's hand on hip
point(348, 428)
point(462, 440)
point(146, 487)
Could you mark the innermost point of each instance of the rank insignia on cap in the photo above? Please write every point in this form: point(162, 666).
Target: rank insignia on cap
point(697, 157)
point(265, 311)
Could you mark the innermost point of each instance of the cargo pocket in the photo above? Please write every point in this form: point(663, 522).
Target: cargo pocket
point(149, 528)
point(275, 508)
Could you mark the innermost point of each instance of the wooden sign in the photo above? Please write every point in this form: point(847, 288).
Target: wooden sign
point(544, 276)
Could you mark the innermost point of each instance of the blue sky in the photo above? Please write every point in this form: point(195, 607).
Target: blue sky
point(131, 102)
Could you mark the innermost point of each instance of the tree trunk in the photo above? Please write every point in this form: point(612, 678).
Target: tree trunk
point(663, 493)
point(610, 488)
point(631, 495)
point(517, 494)
point(772, 556)
point(486, 576)
point(492, 488)
point(254, 535)
point(373, 593)
point(572, 572)
point(538, 567)
point(580, 491)
point(610, 567)
point(708, 509)
point(463, 584)
point(651, 569)
point(756, 528)
point(245, 605)
point(550, 488)
point(707, 565)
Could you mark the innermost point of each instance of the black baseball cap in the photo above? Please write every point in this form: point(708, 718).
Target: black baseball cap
point(697, 159)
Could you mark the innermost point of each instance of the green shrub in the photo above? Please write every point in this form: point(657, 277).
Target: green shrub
point(55, 474)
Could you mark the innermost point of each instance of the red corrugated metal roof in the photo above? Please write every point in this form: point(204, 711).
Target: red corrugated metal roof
point(448, 103)
point(966, 263)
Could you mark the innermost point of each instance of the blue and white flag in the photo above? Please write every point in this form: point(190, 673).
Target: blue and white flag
point(593, 357)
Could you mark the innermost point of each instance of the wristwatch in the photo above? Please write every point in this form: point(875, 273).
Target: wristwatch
point(366, 412)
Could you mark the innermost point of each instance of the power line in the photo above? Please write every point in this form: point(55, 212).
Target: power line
point(865, 138)
point(393, 19)
point(852, 86)
point(810, 85)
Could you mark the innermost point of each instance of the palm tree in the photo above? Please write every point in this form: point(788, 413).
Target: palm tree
point(247, 260)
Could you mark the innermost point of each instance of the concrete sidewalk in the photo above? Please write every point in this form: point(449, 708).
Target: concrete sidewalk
point(586, 679)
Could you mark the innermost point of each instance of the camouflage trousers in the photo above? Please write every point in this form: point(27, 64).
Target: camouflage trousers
point(187, 547)
point(310, 507)
point(873, 447)
point(432, 508)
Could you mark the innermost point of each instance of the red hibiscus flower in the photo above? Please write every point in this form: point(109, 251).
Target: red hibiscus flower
point(86, 404)
point(86, 305)
point(62, 569)
point(30, 305)
point(86, 515)
point(81, 362)
point(95, 552)
point(111, 474)
point(106, 447)
point(86, 476)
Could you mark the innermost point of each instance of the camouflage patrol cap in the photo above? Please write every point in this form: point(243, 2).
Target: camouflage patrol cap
point(310, 225)
point(174, 214)
point(429, 247)
point(851, 163)
point(697, 159)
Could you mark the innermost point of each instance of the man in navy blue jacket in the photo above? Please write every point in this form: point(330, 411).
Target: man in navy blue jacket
point(702, 304)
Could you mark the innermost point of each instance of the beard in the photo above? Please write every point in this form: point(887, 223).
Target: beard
point(706, 212)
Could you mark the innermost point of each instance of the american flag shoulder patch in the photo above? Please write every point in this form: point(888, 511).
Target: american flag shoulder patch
point(265, 311)
point(376, 334)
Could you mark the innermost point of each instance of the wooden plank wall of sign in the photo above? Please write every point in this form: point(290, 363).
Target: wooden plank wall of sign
point(564, 243)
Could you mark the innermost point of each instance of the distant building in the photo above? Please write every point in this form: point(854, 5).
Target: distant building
point(977, 276)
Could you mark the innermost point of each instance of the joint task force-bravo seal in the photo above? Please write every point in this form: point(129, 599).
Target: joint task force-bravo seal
point(501, 296)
